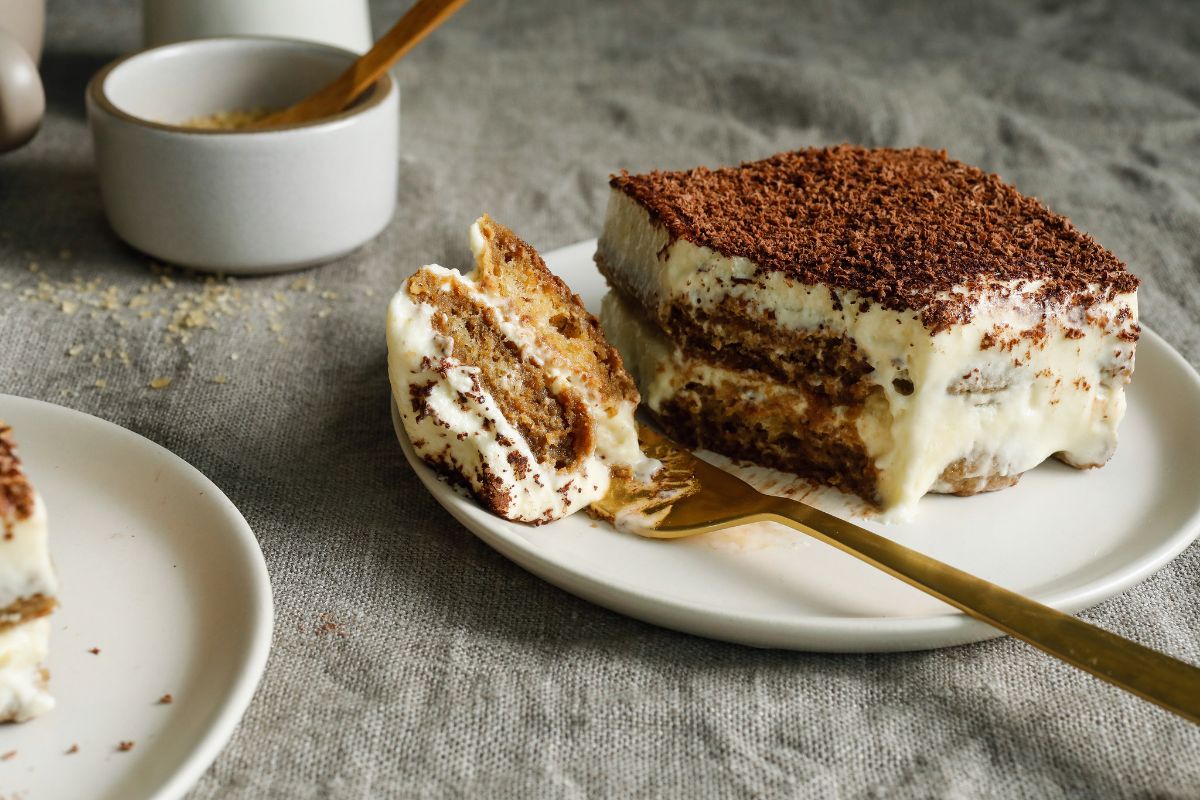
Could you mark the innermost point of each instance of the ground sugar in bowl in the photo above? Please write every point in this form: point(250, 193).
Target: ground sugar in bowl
point(183, 179)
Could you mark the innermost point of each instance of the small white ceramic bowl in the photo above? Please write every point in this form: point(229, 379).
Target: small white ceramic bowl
point(241, 201)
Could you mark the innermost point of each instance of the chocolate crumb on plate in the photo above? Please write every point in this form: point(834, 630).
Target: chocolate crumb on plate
point(125, 747)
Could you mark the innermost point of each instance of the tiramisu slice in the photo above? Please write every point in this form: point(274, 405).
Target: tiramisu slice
point(27, 590)
point(889, 321)
point(506, 384)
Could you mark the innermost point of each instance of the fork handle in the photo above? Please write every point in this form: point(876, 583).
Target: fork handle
point(1159, 678)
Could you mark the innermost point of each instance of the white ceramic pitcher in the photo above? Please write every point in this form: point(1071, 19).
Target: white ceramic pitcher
point(22, 99)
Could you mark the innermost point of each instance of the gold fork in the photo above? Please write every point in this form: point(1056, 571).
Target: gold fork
point(692, 496)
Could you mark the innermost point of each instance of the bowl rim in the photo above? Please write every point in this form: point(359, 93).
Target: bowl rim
point(376, 95)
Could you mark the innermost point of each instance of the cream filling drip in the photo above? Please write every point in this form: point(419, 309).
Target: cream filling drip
point(468, 430)
point(23, 693)
point(1059, 394)
point(25, 567)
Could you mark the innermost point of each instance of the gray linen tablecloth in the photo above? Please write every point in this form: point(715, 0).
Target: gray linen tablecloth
point(453, 672)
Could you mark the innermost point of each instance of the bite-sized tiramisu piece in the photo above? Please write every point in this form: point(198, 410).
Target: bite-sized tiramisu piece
point(27, 590)
point(890, 321)
point(506, 384)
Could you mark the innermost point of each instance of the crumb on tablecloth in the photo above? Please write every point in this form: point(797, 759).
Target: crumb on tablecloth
point(174, 301)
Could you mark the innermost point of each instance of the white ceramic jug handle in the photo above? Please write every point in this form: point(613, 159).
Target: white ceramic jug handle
point(22, 98)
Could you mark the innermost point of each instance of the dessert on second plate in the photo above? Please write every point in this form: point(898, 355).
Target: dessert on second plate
point(892, 322)
point(506, 384)
point(27, 590)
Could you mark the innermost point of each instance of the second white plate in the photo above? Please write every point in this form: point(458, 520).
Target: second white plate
point(1065, 537)
point(160, 573)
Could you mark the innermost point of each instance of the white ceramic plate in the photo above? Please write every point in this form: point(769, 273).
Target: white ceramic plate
point(1065, 537)
point(158, 570)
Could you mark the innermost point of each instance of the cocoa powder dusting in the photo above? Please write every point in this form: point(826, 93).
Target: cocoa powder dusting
point(16, 495)
point(899, 227)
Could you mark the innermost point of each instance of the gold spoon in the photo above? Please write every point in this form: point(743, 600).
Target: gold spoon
point(693, 497)
point(421, 19)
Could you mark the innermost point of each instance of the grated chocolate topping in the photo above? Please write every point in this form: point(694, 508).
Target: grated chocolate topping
point(899, 227)
point(16, 495)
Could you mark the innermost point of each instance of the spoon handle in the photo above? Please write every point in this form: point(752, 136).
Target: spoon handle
point(1159, 678)
point(421, 19)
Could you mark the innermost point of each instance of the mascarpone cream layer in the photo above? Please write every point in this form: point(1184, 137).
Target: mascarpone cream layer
point(25, 568)
point(23, 692)
point(1023, 380)
point(468, 430)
